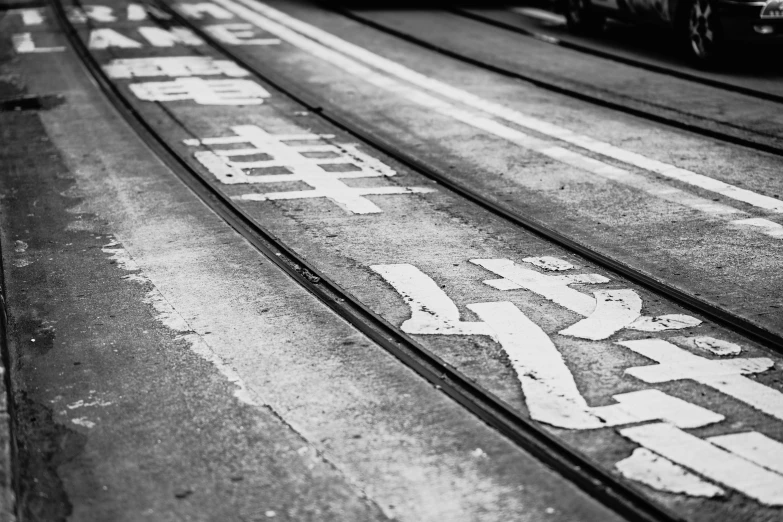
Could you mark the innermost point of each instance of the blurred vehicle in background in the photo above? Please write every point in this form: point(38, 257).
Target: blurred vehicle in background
point(704, 27)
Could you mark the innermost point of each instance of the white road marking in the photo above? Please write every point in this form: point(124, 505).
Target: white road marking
point(160, 37)
point(724, 375)
point(614, 310)
point(30, 16)
point(23, 43)
point(104, 38)
point(432, 311)
point(173, 67)
point(201, 91)
point(198, 10)
point(753, 446)
point(710, 461)
point(298, 160)
point(710, 345)
point(540, 14)
point(619, 309)
point(238, 34)
point(136, 13)
point(97, 13)
point(342, 49)
point(765, 226)
point(664, 475)
point(550, 391)
point(550, 264)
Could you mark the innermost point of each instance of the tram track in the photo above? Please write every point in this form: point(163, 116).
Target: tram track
point(692, 123)
point(527, 434)
point(586, 49)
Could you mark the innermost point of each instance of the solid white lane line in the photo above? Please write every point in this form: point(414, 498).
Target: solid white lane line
point(765, 226)
point(753, 446)
point(664, 475)
point(500, 111)
point(710, 460)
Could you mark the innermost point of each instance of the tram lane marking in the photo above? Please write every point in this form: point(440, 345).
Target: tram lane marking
point(304, 162)
point(173, 67)
point(669, 459)
point(608, 312)
point(201, 91)
point(23, 44)
point(317, 42)
point(724, 375)
point(710, 460)
point(664, 475)
point(550, 391)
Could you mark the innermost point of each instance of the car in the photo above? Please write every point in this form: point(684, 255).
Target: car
point(704, 27)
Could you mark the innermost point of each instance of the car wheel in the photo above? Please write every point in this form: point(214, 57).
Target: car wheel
point(703, 31)
point(581, 18)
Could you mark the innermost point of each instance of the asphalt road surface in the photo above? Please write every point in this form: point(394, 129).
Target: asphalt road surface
point(298, 261)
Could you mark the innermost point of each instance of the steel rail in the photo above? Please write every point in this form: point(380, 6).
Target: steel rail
point(525, 433)
point(706, 130)
point(343, 120)
point(586, 49)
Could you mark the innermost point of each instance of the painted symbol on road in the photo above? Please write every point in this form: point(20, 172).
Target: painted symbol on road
point(306, 158)
point(201, 91)
point(670, 459)
point(173, 67)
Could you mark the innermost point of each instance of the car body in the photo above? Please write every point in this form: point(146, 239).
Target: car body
point(705, 25)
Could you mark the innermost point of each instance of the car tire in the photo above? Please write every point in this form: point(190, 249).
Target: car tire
point(701, 31)
point(581, 17)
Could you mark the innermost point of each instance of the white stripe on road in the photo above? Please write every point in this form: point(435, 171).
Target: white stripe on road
point(710, 460)
point(475, 102)
point(753, 446)
point(664, 475)
point(765, 226)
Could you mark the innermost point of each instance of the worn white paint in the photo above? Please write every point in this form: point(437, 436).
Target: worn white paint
point(651, 405)
point(160, 37)
point(549, 263)
point(709, 345)
point(550, 391)
point(765, 226)
point(710, 461)
point(20, 246)
point(103, 38)
point(614, 310)
point(753, 446)
point(170, 318)
point(555, 288)
point(664, 475)
point(724, 375)
point(23, 43)
point(83, 421)
point(337, 51)
point(198, 11)
point(298, 160)
point(201, 91)
point(432, 311)
point(618, 308)
point(172, 66)
point(97, 13)
point(30, 16)
point(136, 13)
point(238, 34)
point(664, 322)
point(540, 14)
